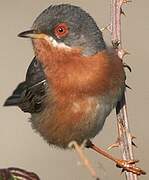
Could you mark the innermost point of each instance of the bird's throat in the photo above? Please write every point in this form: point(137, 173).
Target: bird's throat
point(49, 49)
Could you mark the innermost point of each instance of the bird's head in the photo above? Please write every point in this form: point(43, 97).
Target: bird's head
point(67, 26)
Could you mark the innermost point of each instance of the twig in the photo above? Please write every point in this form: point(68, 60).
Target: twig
point(121, 109)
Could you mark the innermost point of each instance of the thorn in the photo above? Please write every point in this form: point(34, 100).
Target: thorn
point(113, 146)
point(128, 86)
point(134, 144)
point(126, 1)
point(122, 12)
point(122, 53)
point(115, 44)
point(133, 137)
point(108, 27)
point(122, 170)
point(127, 66)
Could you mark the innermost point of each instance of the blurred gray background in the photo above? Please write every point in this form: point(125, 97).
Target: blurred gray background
point(20, 146)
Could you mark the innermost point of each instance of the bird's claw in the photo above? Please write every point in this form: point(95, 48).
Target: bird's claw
point(129, 166)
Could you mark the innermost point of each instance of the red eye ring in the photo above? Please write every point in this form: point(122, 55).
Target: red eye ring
point(61, 30)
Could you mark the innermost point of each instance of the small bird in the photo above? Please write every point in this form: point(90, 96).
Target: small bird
point(74, 80)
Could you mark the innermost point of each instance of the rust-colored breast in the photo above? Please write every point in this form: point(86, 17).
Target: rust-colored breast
point(81, 87)
point(70, 72)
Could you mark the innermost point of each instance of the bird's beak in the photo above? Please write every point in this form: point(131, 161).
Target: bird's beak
point(33, 34)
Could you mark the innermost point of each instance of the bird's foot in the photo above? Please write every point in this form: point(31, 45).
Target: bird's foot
point(126, 165)
point(129, 166)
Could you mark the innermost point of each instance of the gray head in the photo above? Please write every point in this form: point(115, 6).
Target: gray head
point(72, 26)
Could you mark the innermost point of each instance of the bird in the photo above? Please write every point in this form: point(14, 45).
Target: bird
point(74, 80)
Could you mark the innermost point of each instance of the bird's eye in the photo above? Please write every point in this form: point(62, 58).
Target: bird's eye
point(61, 30)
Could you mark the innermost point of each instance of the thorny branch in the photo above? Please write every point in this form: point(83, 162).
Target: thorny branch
point(125, 138)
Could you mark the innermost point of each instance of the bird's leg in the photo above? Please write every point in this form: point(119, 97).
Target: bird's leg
point(124, 164)
point(86, 162)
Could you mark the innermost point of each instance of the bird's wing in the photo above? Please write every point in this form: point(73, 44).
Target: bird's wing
point(30, 94)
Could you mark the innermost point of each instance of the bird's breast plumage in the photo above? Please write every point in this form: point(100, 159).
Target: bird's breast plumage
point(83, 91)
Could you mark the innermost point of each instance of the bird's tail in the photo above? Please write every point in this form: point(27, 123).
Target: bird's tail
point(15, 98)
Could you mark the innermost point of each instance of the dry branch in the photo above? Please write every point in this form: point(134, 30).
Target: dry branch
point(124, 135)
